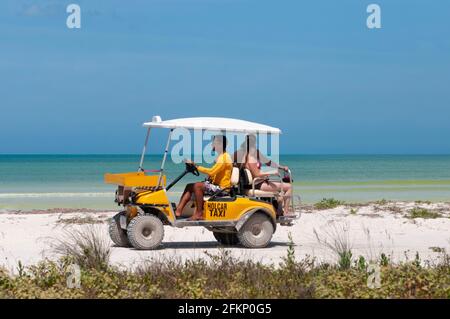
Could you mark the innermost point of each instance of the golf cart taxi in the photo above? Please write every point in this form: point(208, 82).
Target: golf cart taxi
point(244, 215)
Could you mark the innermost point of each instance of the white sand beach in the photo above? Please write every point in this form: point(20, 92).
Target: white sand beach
point(369, 229)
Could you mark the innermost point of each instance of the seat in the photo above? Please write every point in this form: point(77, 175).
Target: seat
point(256, 192)
point(234, 177)
point(260, 193)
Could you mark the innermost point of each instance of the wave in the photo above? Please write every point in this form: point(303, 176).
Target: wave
point(66, 195)
point(370, 183)
point(52, 195)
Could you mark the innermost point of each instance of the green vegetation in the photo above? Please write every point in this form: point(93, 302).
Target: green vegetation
point(384, 260)
point(361, 263)
point(345, 260)
point(394, 209)
point(381, 202)
point(418, 212)
point(423, 202)
point(353, 211)
point(221, 276)
point(438, 249)
point(84, 247)
point(289, 260)
point(336, 238)
point(79, 220)
point(328, 203)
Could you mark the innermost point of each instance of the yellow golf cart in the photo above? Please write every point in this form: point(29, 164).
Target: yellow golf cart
point(243, 215)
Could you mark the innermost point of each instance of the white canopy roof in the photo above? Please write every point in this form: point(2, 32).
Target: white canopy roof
point(214, 124)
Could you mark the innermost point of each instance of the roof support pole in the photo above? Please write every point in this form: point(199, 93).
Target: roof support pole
point(164, 158)
point(144, 150)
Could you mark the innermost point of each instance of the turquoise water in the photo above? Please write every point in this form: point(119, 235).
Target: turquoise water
point(76, 181)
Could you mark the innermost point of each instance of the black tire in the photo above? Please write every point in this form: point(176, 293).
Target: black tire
point(226, 239)
point(145, 232)
point(118, 235)
point(256, 232)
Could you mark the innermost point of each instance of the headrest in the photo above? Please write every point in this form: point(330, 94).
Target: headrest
point(234, 176)
point(249, 175)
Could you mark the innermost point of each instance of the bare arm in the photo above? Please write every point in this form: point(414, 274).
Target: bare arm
point(256, 172)
point(269, 162)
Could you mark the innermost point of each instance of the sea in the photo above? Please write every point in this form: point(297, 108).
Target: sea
point(30, 182)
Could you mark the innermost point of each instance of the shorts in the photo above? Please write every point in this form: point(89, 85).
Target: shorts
point(210, 188)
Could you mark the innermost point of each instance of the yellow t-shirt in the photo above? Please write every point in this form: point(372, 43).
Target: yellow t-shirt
point(220, 173)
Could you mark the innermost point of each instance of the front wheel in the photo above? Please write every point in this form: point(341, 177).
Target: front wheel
point(256, 232)
point(117, 234)
point(226, 239)
point(145, 232)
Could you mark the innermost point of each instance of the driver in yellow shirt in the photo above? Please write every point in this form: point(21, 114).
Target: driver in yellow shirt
point(219, 178)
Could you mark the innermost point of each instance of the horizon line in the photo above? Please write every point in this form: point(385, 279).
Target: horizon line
point(150, 154)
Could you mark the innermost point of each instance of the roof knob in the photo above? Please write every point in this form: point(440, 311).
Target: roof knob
point(156, 119)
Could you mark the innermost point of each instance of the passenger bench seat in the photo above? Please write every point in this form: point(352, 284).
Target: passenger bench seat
point(257, 192)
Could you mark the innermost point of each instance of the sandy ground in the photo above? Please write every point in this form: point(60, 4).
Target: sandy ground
point(369, 229)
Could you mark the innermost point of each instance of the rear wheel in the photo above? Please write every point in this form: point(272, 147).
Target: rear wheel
point(256, 232)
point(117, 234)
point(226, 239)
point(145, 232)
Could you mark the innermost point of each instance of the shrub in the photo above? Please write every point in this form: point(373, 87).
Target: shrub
point(222, 276)
point(289, 260)
point(345, 259)
point(361, 263)
point(79, 220)
point(418, 212)
point(381, 202)
point(86, 247)
point(336, 238)
point(423, 202)
point(384, 260)
point(328, 203)
point(437, 249)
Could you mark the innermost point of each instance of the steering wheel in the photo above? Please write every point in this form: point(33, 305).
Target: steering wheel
point(192, 169)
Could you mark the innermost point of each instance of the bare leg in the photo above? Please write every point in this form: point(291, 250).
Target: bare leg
point(287, 190)
point(185, 198)
point(199, 190)
point(287, 198)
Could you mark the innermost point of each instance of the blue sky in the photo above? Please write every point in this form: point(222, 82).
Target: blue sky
point(312, 68)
